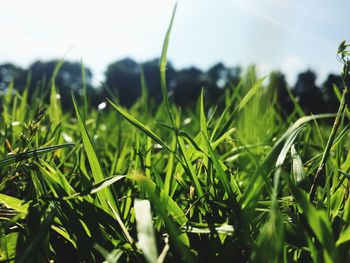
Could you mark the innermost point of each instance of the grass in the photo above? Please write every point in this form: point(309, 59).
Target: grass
point(159, 183)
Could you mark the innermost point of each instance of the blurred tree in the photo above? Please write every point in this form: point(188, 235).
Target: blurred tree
point(332, 102)
point(278, 85)
point(223, 75)
point(216, 80)
point(68, 79)
point(123, 78)
point(310, 96)
point(220, 77)
point(188, 86)
point(9, 72)
point(152, 77)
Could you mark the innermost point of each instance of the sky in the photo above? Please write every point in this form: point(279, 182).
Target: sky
point(286, 35)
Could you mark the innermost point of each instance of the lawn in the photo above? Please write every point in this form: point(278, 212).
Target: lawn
point(240, 181)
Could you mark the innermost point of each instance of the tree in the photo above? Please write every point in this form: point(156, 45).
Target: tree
point(123, 78)
point(188, 87)
point(10, 72)
point(278, 84)
point(68, 79)
point(152, 76)
point(219, 77)
point(310, 96)
point(332, 102)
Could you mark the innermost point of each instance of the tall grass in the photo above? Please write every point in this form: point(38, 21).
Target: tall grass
point(159, 183)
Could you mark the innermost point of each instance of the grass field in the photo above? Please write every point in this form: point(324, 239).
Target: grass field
point(238, 182)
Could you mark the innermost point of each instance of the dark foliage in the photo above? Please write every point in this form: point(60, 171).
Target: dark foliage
point(122, 81)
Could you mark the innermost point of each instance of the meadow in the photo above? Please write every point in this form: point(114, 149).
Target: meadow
point(240, 181)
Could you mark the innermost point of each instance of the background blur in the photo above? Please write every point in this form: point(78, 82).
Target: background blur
point(291, 36)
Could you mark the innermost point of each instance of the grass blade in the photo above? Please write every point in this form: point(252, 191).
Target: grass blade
point(14, 203)
point(259, 179)
point(104, 195)
point(97, 187)
point(162, 66)
point(298, 167)
point(145, 233)
point(14, 158)
point(140, 126)
point(159, 196)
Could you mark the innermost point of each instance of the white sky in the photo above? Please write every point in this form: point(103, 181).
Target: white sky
point(291, 35)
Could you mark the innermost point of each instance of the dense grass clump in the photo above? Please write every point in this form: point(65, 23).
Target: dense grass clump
point(238, 182)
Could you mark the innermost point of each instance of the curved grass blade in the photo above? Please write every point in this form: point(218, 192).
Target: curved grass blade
point(97, 187)
point(185, 135)
point(344, 237)
point(14, 203)
point(231, 190)
point(330, 141)
point(14, 158)
point(110, 257)
point(158, 194)
point(319, 223)
point(140, 126)
point(54, 178)
point(250, 94)
point(220, 122)
point(260, 178)
point(190, 169)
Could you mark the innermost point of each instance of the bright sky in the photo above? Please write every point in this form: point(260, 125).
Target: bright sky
point(291, 35)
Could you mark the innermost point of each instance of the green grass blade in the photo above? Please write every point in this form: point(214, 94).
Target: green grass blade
point(83, 78)
point(220, 122)
point(232, 190)
point(6, 104)
point(162, 66)
point(344, 237)
point(296, 104)
point(169, 169)
point(318, 221)
point(104, 195)
point(54, 178)
point(250, 94)
point(14, 203)
point(259, 178)
point(97, 187)
point(14, 158)
point(159, 196)
point(55, 111)
point(140, 126)
point(22, 112)
point(190, 169)
point(202, 118)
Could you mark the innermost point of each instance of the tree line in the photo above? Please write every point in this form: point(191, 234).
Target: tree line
point(124, 80)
